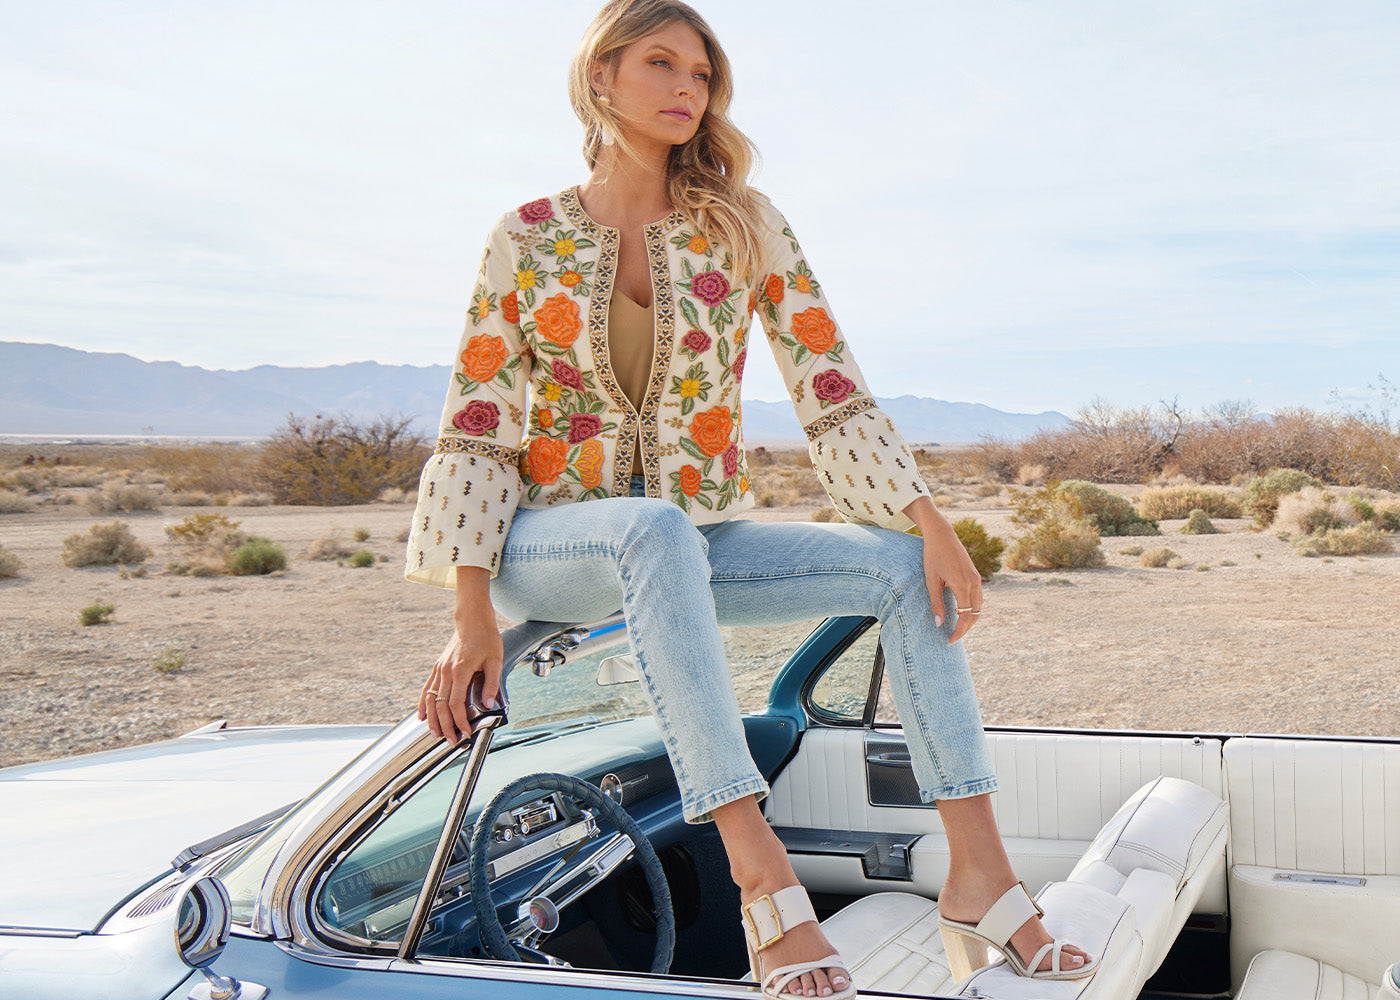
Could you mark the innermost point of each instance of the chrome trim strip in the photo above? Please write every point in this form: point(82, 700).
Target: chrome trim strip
point(456, 813)
point(544, 975)
point(7, 930)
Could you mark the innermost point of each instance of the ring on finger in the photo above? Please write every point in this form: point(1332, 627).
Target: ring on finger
point(964, 611)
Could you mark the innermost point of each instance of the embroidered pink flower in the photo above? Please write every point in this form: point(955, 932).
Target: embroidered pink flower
point(477, 417)
point(566, 374)
point(695, 341)
point(739, 360)
point(832, 386)
point(536, 212)
point(730, 461)
point(710, 287)
point(583, 426)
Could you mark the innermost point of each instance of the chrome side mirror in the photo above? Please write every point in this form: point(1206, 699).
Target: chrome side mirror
point(619, 669)
point(201, 931)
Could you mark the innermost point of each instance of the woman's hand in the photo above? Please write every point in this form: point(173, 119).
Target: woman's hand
point(947, 564)
point(475, 648)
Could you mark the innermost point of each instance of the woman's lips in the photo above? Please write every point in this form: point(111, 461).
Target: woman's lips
point(679, 114)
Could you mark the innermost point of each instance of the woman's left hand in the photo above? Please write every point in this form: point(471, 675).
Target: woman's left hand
point(947, 564)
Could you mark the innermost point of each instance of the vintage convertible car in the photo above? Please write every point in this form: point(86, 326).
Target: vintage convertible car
point(547, 855)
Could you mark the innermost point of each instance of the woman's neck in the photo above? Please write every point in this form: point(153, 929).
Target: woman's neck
point(623, 193)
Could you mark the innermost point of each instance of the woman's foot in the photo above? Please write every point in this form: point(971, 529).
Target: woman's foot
point(803, 942)
point(968, 900)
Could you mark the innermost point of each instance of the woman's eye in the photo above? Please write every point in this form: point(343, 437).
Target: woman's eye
point(703, 77)
point(661, 62)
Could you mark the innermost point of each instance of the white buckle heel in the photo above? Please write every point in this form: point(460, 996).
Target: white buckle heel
point(766, 920)
point(967, 944)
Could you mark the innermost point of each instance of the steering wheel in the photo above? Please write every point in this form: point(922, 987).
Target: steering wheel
point(570, 878)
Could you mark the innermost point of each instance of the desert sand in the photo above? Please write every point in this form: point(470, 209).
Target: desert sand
point(1273, 643)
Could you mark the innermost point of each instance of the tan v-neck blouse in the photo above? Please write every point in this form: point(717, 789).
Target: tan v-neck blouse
point(631, 341)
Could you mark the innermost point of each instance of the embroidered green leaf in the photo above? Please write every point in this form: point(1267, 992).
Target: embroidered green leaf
point(787, 340)
point(704, 501)
point(533, 491)
point(506, 378)
point(723, 349)
point(687, 404)
point(688, 311)
point(800, 354)
point(692, 448)
point(467, 384)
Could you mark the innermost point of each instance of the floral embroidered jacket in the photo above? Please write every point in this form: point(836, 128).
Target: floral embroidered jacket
point(535, 418)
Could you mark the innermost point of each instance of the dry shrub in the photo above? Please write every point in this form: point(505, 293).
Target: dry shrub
point(250, 500)
point(204, 468)
point(363, 559)
point(1057, 545)
point(11, 565)
point(1310, 510)
point(96, 614)
point(1111, 513)
point(1130, 550)
point(208, 541)
point(1030, 474)
point(104, 545)
point(256, 556)
point(1178, 563)
point(326, 461)
point(1361, 540)
point(403, 534)
point(190, 498)
point(1163, 503)
point(122, 497)
point(1198, 523)
point(985, 550)
point(1262, 495)
point(988, 489)
point(1388, 516)
point(1158, 557)
point(825, 514)
point(14, 502)
point(328, 547)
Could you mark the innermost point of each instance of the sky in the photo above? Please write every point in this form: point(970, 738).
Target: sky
point(1027, 205)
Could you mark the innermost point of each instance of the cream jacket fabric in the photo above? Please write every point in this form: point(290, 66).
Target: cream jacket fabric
point(535, 418)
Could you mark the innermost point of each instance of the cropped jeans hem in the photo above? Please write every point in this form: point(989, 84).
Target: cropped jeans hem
point(966, 790)
point(701, 809)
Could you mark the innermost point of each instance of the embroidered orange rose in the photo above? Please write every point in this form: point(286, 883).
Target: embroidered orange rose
point(814, 330)
point(697, 244)
point(773, 289)
point(743, 485)
point(570, 278)
point(690, 480)
point(483, 357)
point(545, 418)
point(557, 320)
point(590, 463)
point(510, 308)
point(711, 430)
point(802, 283)
point(547, 459)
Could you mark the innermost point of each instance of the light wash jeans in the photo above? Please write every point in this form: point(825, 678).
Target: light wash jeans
point(676, 583)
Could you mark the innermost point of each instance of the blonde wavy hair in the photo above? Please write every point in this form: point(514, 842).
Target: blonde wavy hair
point(707, 177)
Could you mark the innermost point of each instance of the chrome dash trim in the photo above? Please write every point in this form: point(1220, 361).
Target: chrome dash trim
point(43, 932)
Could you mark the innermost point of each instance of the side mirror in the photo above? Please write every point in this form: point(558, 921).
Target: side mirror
point(201, 931)
point(619, 669)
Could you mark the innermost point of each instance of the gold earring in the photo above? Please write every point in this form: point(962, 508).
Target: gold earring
point(603, 99)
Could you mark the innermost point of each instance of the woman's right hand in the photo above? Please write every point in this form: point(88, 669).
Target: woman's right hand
point(475, 648)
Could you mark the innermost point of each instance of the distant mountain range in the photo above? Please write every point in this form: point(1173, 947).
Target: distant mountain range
point(47, 389)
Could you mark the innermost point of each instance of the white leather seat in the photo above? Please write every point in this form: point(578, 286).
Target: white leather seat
point(1126, 901)
point(1282, 975)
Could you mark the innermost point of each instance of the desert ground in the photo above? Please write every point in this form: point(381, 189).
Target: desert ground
point(1248, 636)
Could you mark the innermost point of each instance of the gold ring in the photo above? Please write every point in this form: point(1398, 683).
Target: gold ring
point(431, 691)
point(439, 698)
point(963, 611)
point(974, 612)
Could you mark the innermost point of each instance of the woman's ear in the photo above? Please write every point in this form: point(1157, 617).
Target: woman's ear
point(598, 76)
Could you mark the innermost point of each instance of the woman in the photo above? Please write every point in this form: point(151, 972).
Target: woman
point(624, 306)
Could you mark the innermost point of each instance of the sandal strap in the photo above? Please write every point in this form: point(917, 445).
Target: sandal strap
point(1005, 917)
point(769, 917)
point(798, 969)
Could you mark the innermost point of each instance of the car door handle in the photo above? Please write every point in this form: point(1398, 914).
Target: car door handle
point(889, 758)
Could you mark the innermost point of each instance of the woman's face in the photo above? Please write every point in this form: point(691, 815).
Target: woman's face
point(660, 86)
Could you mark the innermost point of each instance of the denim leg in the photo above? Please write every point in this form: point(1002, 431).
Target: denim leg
point(766, 573)
point(587, 560)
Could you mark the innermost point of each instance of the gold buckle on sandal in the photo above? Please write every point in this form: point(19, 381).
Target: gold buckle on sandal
point(1038, 911)
point(753, 925)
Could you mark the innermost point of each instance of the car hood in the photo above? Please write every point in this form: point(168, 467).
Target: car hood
point(82, 834)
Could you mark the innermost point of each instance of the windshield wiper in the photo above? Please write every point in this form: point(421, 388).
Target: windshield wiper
point(194, 852)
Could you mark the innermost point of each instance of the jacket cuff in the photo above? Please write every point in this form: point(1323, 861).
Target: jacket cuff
point(466, 503)
point(867, 469)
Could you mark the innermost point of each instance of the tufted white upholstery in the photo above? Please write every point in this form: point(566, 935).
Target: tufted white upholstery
point(1056, 792)
point(1314, 807)
point(1126, 901)
point(1282, 975)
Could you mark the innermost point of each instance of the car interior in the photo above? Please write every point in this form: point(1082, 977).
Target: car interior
point(1194, 864)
